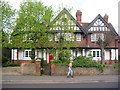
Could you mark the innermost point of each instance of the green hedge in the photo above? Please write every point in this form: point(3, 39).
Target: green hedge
point(11, 65)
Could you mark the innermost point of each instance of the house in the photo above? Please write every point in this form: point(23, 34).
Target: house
point(85, 36)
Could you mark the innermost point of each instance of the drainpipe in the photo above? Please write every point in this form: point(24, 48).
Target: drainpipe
point(87, 40)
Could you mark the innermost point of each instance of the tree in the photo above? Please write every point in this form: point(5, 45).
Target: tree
point(7, 22)
point(31, 30)
point(103, 42)
point(6, 25)
point(63, 32)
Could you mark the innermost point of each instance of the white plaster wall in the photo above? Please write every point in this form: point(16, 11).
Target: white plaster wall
point(40, 54)
point(12, 54)
point(47, 57)
point(44, 55)
point(20, 55)
point(107, 55)
point(15, 54)
point(113, 54)
point(78, 53)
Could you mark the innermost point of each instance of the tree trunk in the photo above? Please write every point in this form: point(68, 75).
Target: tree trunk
point(61, 48)
point(102, 56)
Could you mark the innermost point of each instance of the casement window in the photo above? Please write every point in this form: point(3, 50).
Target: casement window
point(78, 37)
point(96, 36)
point(27, 53)
point(96, 54)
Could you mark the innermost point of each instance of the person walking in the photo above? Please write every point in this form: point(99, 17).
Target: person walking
point(70, 69)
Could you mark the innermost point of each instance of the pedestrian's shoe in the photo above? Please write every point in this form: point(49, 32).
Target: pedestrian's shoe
point(67, 76)
point(71, 76)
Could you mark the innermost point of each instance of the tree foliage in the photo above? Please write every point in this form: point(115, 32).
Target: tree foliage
point(6, 22)
point(31, 30)
point(64, 36)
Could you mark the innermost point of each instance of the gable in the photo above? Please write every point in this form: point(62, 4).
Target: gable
point(64, 18)
point(99, 24)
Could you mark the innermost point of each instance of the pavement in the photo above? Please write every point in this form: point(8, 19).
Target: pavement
point(13, 79)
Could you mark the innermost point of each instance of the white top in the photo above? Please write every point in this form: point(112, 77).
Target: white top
point(70, 65)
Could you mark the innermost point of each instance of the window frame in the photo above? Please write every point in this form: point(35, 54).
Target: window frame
point(96, 54)
point(95, 36)
point(29, 52)
point(78, 37)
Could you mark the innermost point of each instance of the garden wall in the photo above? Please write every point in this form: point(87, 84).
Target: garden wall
point(11, 70)
point(61, 70)
point(31, 68)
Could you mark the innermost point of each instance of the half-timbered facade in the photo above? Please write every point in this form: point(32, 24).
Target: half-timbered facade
point(85, 36)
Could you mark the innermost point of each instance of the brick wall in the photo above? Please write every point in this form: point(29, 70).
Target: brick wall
point(61, 70)
point(31, 68)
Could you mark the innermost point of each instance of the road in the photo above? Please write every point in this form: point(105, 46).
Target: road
point(64, 85)
point(103, 81)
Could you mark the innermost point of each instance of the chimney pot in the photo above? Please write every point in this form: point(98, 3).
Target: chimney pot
point(106, 18)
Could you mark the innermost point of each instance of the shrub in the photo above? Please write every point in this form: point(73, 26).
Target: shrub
point(5, 60)
point(117, 66)
point(83, 61)
point(43, 65)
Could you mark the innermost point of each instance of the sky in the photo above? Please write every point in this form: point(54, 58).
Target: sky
point(90, 8)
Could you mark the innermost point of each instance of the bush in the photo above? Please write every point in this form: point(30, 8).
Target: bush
point(43, 65)
point(59, 62)
point(83, 61)
point(5, 60)
point(117, 66)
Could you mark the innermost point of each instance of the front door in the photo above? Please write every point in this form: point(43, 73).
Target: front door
point(50, 57)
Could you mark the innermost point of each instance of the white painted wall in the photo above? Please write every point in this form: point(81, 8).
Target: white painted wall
point(107, 55)
point(20, 55)
point(113, 54)
point(47, 57)
point(44, 55)
point(40, 54)
point(14, 54)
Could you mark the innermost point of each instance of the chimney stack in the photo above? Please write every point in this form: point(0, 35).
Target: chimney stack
point(78, 16)
point(106, 18)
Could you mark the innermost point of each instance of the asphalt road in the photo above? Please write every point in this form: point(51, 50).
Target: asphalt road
point(98, 81)
point(64, 85)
